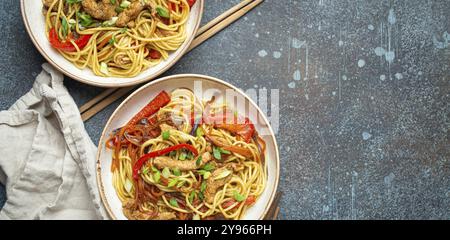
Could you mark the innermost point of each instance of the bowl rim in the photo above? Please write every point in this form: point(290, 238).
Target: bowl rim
point(203, 77)
point(183, 51)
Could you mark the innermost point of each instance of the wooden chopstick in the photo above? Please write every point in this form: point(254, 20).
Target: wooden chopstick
point(274, 210)
point(222, 16)
point(210, 29)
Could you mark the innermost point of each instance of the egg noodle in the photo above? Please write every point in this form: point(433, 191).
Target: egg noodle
point(228, 176)
point(113, 51)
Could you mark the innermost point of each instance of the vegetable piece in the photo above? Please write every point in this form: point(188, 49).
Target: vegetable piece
point(208, 167)
point(104, 68)
point(139, 163)
point(183, 156)
point(157, 176)
point(173, 202)
point(166, 135)
point(113, 2)
point(65, 26)
point(110, 22)
point(238, 197)
point(203, 187)
point(199, 132)
point(166, 172)
point(85, 19)
point(191, 2)
point(176, 172)
point(192, 196)
point(180, 184)
point(207, 175)
point(128, 185)
point(154, 54)
point(224, 151)
point(162, 12)
point(161, 100)
point(216, 153)
point(125, 4)
point(222, 174)
point(172, 182)
point(199, 161)
point(67, 46)
point(250, 200)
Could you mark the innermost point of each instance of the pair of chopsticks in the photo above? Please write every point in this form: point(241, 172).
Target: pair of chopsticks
point(109, 96)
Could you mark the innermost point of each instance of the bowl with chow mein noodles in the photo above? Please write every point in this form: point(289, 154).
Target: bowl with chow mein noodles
point(187, 147)
point(112, 43)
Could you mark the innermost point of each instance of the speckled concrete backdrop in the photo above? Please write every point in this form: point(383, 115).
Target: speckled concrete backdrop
point(365, 98)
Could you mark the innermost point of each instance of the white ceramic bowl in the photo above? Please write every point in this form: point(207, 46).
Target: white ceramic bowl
point(136, 101)
point(34, 22)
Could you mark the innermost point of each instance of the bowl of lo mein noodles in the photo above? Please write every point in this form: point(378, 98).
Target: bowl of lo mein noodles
point(112, 43)
point(187, 147)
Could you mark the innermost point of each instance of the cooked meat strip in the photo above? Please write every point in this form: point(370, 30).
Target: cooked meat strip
point(100, 9)
point(212, 185)
point(130, 13)
point(162, 162)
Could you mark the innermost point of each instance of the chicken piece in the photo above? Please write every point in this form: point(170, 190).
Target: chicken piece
point(100, 9)
point(212, 184)
point(130, 13)
point(162, 162)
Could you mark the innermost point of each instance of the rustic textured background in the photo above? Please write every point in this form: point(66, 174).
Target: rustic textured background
point(364, 105)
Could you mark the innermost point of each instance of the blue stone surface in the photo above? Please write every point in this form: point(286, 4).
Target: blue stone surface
point(364, 98)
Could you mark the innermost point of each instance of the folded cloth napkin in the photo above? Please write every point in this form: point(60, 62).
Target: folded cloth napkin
point(47, 160)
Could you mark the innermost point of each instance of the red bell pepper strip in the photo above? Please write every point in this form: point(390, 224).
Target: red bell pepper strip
point(154, 54)
point(161, 100)
point(234, 124)
point(139, 163)
point(191, 2)
point(67, 46)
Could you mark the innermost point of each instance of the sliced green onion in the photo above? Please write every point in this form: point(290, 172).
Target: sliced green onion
point(73, 1)
point(112, 40)
point(163, 12)
point(223, 174)
point(201, 196)
point(199, 161)
point(104, 68)
point(157, 176)
point(216, 153)
point(238, 197)
point(192, 196)
point(111, 22)
point(173, 154)
point(208, 167)
point(128, 185)
point(166, 135)
point(207, 175)
point(113, 2)
point(85, 19)
point(166, 172)
point(125, 4)
point(203, 187)
point(176, 172)
point(199, 132)
point(180, 184)
point(145, 170)
point(224, 151)
point(182, 156)
point(173, 202)
point(172, 182)
point(65, 26)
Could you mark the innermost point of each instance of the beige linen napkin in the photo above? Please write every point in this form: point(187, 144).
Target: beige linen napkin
point(46, 157)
